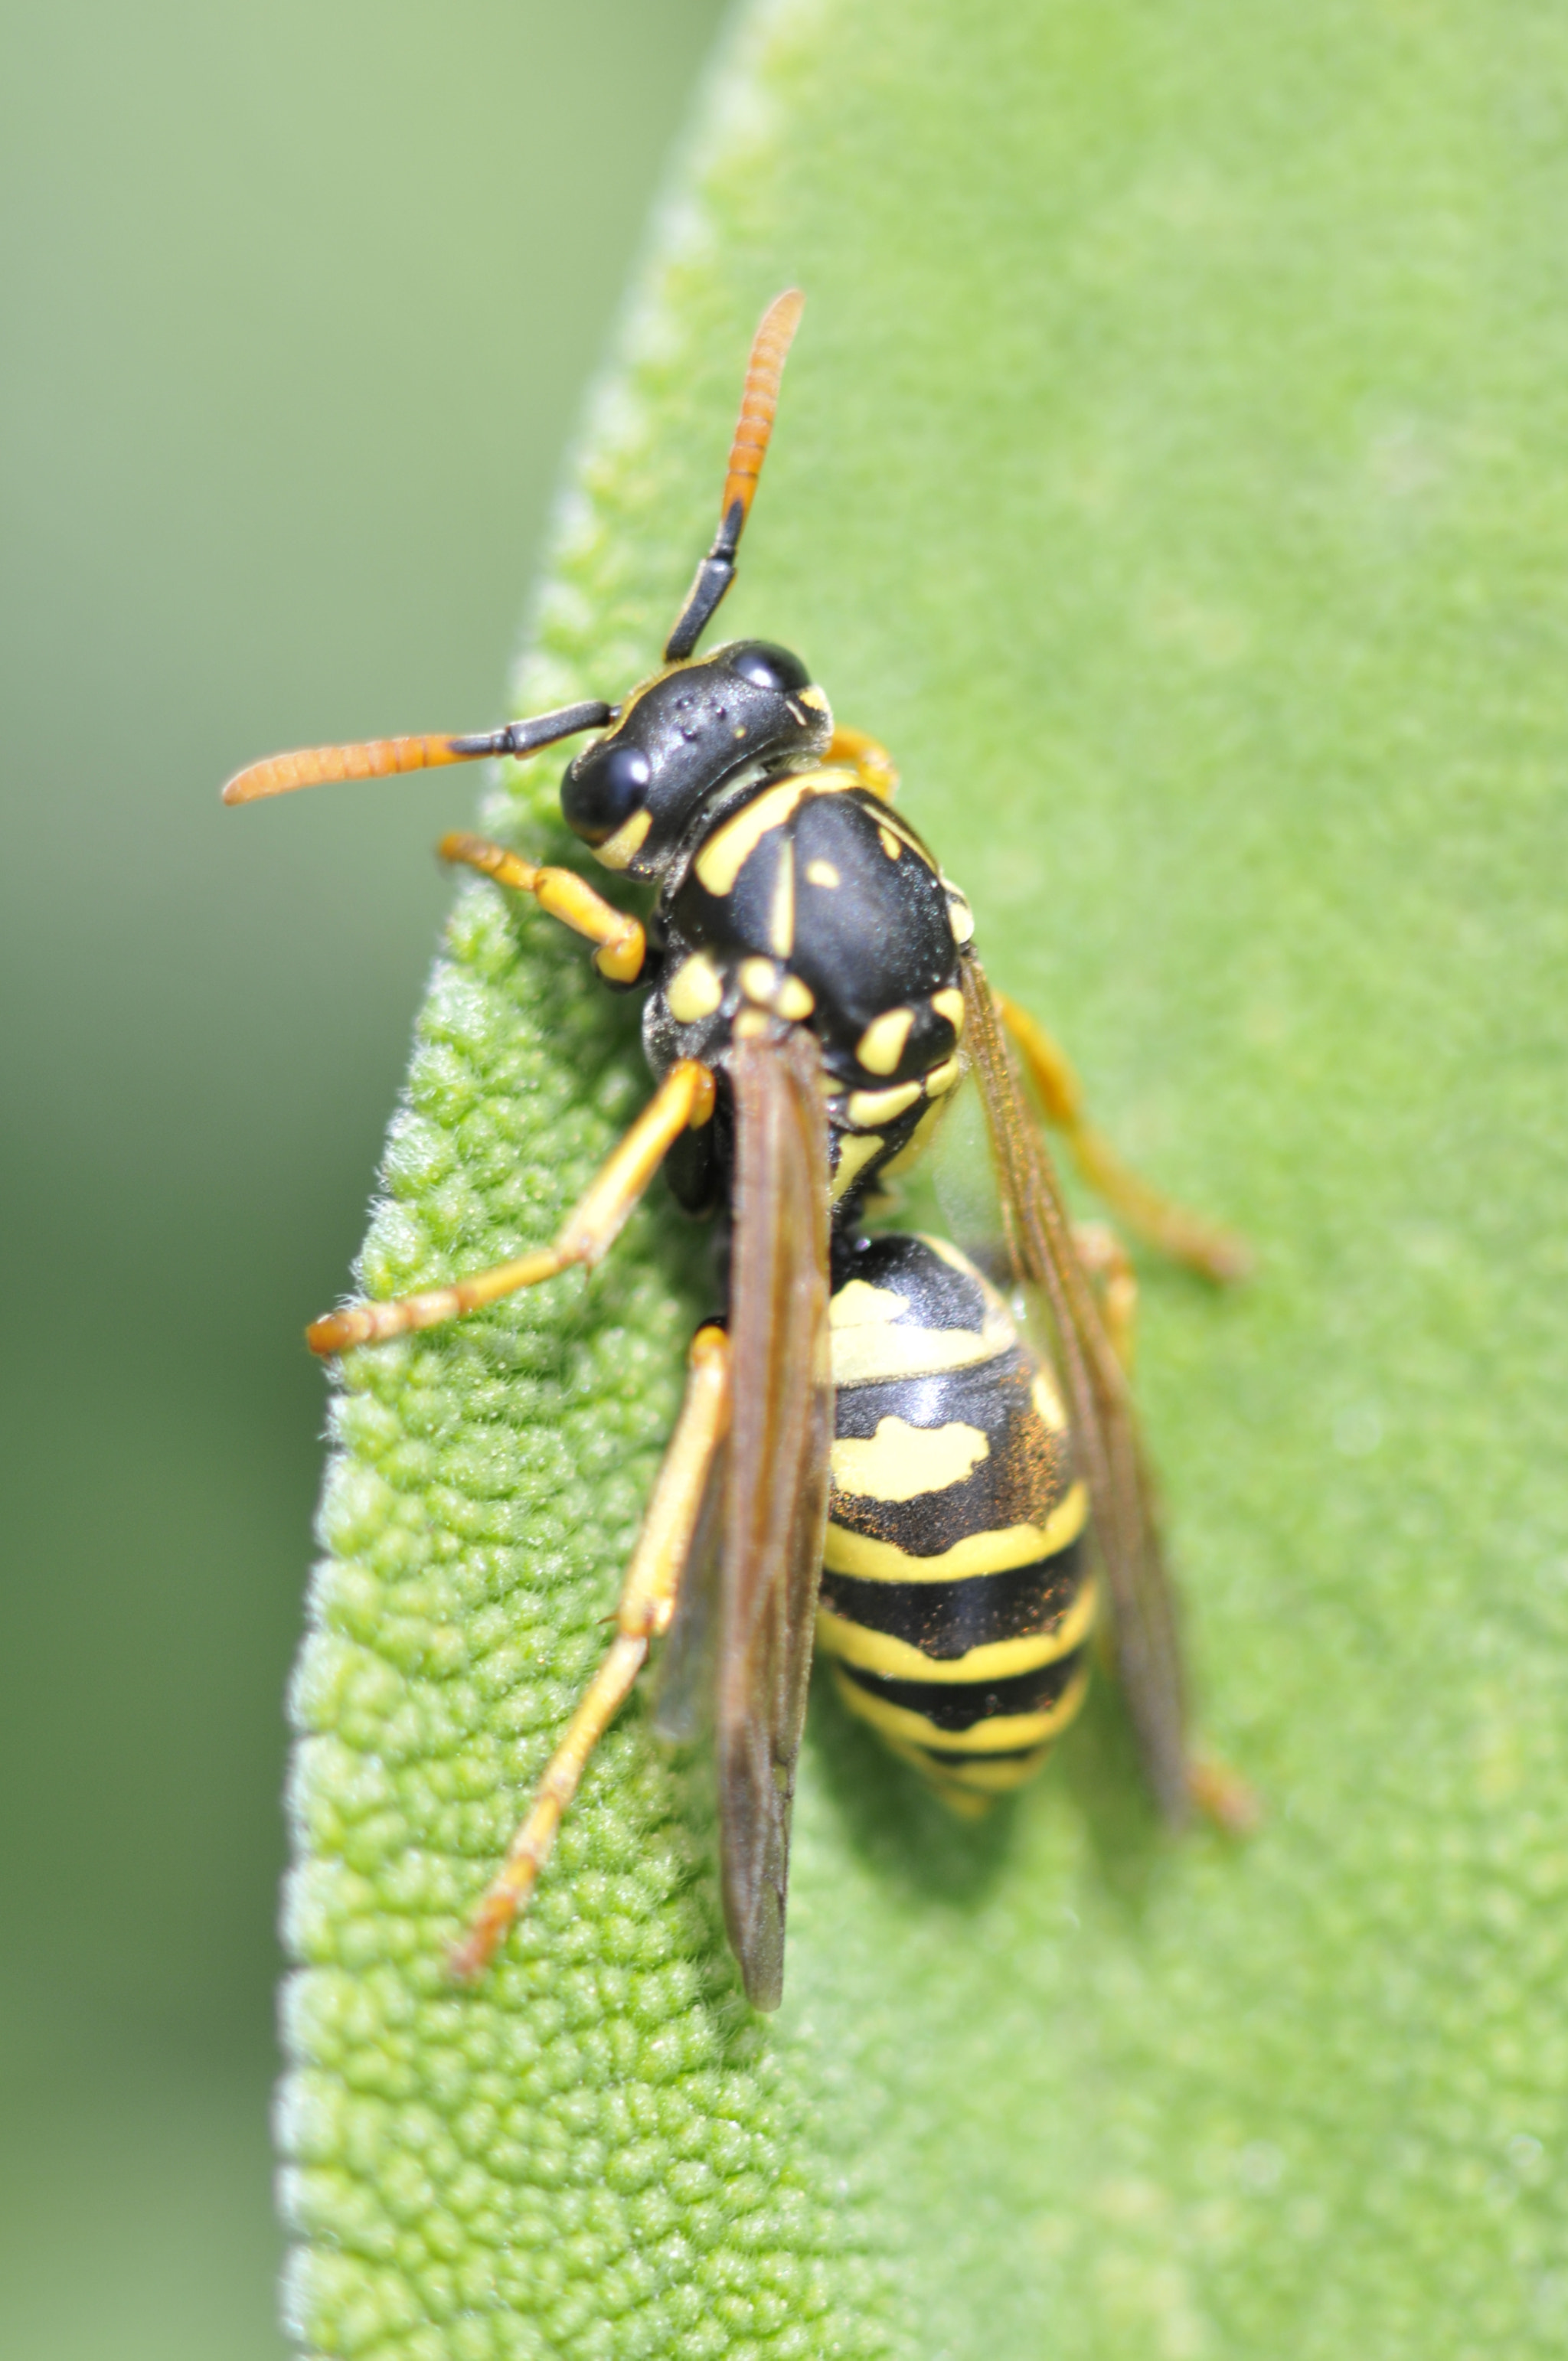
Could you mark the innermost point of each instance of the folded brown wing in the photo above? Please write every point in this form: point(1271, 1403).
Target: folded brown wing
point(1144, 1607)
point(776, 1499)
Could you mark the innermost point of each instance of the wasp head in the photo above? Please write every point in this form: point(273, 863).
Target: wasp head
point(748, 709)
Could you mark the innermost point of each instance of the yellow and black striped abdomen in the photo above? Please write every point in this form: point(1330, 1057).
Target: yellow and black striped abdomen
point(955, 1603)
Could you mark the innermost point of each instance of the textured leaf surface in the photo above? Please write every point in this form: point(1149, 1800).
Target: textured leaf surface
point(1171, 470)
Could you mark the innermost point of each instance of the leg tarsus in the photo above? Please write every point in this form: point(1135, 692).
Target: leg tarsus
point(1223, 1797)
point(647, 1604)
point(684, 1099)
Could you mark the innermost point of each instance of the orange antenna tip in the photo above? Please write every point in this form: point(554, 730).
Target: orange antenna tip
point(759, 406)
point(760, 399)
point(315, 766)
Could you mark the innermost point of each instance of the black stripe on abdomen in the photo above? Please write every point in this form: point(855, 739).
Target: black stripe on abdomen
point(944, 1619)
point(955, 1707)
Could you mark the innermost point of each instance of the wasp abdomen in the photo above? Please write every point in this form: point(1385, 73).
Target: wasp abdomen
point(955, 1600)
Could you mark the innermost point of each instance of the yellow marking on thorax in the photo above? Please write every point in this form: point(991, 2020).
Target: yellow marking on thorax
point(882, 1044)
point(960, 919)
point(856, 1151)
point(993, 1553)
point(759, 979)
point(822, 872)
point(950, 1005)
point(998, 1734)
point(890, 844)
point(898, 1660)
point(867, 1108)
point(729, 848)
point(781, 912)
point(794, 1000)
point(696, 989)
point(901, 1461)
point(941, 1078)
point(896, 826)
point(619, 850)
point(750, 1024)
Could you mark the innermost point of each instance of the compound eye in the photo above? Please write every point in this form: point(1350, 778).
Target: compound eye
point(602, 789)
point(767, 666)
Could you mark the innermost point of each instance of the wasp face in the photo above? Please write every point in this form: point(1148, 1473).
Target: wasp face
point(634, 793)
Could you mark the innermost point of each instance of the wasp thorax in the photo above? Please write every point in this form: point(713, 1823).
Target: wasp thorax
point(750, 708)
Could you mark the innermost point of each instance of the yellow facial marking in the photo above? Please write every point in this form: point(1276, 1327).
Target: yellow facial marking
point(960, 917)
point(877, 1652)
point(890, 844)
point(869, 1108)
point(795, 1000)
point(1049, 1402)
point(750, 1024)
point(695, 990)
point(950, 1005)
point(901, 1461)
point(812, 697)
point(759, 981)
point(942, 1078)
point(726, 851)
point(624, 846)
point(993, 1553)
point(856, 1151)
point(1000, 1734)
point(882, 1044)
point(821, 873)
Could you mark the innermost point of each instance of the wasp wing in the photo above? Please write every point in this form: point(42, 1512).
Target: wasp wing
point(684, 1709)
point(775, 1508)
point(1145, 1632)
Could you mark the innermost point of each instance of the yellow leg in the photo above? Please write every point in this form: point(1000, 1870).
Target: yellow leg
point(1218, 1253)
point(647, 1604)
point(622, 945)
point(1223, 1797)
point(684, 1100)
point(866, 755)
point(1106, 1260)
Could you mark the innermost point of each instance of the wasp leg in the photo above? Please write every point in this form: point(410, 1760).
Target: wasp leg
point(622, 944)
point(1107, 1261)
point(866, 756)
point(647, 1604)
point(1218, 1253)
point(1223, 1797)
point(684, 1100)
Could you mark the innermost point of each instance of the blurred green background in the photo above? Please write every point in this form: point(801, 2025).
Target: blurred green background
point(298, 306)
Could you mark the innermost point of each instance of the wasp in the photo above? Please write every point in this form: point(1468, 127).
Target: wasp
point(872, 1458)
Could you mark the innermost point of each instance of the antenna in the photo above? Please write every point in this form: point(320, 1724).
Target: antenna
point(379, 758)
point(759, 405)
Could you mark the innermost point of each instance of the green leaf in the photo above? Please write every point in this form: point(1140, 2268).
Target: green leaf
point(1170, 470)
